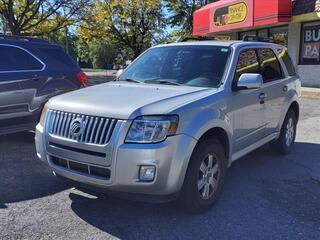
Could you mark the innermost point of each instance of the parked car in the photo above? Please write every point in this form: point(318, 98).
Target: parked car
point(175, 120)
point(32, 71)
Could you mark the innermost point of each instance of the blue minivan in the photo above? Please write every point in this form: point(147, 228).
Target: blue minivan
point(32, 71)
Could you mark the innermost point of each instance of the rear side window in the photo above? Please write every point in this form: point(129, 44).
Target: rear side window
point(284, 56)
point(247, 63)
point(57, 57)
point(270, 65)
point(16, 59)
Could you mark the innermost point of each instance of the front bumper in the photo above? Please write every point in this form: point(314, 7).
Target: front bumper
point(170, 158)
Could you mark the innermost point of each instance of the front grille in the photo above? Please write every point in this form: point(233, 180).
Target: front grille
point(96, 130)
point(94, 171)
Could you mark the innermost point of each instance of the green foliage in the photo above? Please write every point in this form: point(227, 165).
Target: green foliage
point(98, 54)
point(102, 54)
point(83, 51)
point(41, 17)
point(181, 14)
point(131, 23)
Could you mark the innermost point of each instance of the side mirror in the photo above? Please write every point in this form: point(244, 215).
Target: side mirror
point(119, 72)
point(250, 81)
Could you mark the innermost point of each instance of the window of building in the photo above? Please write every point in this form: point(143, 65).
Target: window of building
point(16, 59)
point(310, 44)
point(269, 65)
point(279, 34)
point(264, 33)
point(249, 33)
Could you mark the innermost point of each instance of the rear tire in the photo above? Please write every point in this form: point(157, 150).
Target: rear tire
point(204, 177)
point(284, 144)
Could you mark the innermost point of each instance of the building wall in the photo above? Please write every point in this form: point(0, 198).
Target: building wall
point(294, 31)
point(305, 6)
point(309, 74)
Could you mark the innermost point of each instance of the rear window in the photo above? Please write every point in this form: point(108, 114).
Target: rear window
point(57, 57)
point(284, 55)
point(16, 59)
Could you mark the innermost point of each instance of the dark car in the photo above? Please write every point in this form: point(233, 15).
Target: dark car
point(32, 71)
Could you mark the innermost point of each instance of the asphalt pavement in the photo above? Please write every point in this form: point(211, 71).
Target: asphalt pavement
point(265, 196)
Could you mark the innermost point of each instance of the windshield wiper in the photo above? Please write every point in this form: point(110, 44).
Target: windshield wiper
point(162, 81)
point(128, 80)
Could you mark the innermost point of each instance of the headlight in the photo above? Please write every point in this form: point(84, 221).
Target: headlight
point(152, 129)
point(43, 115)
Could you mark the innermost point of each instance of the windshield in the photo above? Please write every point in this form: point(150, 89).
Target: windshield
point(199, 66)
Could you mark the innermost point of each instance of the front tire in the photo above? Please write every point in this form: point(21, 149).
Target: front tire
point(204, 177)
point(284, 144)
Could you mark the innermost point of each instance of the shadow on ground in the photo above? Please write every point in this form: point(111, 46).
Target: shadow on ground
point(264, 194)
point(22, 175)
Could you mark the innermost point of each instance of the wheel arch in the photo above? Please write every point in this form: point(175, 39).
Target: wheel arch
point(221, 135)
point(296, 108)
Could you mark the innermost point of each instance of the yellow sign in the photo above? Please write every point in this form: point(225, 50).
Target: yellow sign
point(232, 14)
point(237, 13)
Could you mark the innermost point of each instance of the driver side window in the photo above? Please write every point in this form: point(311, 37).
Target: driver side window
point(247, 63)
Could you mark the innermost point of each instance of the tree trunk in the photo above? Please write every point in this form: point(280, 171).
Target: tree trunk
point(15, 30)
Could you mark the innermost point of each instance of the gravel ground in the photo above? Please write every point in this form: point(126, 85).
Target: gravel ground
point(265, 197)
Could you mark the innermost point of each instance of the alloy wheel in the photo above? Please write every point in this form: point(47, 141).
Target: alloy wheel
point(290, 131)
point(209, 174)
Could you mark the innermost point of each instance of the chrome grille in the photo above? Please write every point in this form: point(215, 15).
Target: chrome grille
point(96, 130)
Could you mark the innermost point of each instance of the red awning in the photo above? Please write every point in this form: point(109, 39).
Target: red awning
point(227, 15)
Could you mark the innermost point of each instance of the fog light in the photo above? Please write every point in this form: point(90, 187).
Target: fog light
point(147, 173)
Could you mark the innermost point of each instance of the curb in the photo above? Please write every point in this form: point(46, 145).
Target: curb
point(311, 95)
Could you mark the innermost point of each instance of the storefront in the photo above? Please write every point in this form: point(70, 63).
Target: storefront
point(294, 24)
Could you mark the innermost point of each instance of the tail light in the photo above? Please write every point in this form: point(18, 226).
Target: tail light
point(83, 79)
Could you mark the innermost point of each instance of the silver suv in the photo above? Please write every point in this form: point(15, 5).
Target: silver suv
point(174, 120)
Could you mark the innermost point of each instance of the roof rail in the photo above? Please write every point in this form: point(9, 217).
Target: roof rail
point(22, 38)
point(253, 38)
point(195, 38)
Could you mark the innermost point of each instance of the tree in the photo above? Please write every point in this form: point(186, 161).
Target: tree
point(39, 17)
point(181, 14)
point(132, 23)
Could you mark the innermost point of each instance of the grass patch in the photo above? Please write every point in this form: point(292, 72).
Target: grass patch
point(93, 70)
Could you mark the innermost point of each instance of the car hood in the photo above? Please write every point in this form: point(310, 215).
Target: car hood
point(124, 100)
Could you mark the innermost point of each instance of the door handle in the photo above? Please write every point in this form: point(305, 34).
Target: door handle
point(262, 97)
point(285, 88)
